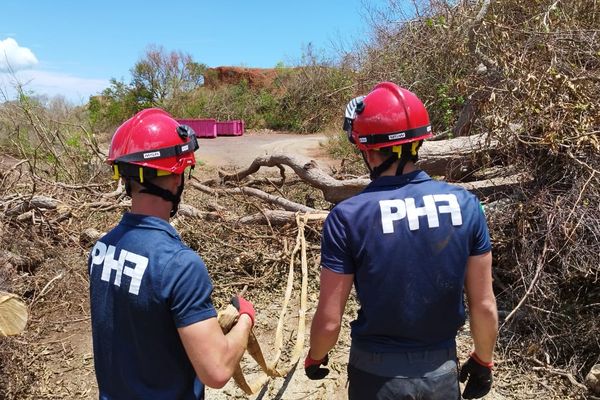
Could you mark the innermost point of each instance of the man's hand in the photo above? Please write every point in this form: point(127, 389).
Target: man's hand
point(479, 374)
point(313, 369)
point(243, 306)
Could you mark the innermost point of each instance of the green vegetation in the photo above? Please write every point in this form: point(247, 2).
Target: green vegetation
point(302, 99)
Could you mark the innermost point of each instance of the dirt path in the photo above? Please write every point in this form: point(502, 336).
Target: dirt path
point(240, 151)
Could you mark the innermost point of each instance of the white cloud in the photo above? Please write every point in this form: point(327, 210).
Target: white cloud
point(75, 89)
point(14, 57)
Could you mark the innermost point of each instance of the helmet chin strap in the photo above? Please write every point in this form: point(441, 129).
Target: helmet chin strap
point(406, 152)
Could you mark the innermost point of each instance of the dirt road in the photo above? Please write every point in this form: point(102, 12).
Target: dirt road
point(240, 151)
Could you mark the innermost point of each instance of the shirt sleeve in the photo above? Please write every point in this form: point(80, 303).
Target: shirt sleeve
point(187, 288)
point(480, 241)
point(335, 245)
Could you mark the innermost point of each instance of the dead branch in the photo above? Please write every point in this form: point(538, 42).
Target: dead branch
point(40, 202)
point(279, 217)
point(190, 211)
point(277, 200)
point(333, 190)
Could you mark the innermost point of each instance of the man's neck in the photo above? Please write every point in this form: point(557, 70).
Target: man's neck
point(154, 206)
point(391, 171)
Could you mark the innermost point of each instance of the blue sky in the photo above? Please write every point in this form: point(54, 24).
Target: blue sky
point(74, 47)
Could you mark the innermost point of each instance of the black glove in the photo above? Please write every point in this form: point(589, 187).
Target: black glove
point(479, 375)
point(313, 369)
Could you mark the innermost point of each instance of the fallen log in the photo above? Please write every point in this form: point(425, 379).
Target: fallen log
point(333, 190)
point(495, 186)
point(41, 202)
point(455, 158)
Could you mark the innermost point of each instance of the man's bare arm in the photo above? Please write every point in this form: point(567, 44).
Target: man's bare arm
point(482, 305)
point(213, 354)
point(326, 324)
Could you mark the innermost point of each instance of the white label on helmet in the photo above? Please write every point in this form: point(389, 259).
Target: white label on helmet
point(362, 140)
point(400, 135)
point(154, 154)
point(185, 148)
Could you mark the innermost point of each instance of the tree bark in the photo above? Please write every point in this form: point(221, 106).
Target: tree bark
point(279, 217)
point(333, 190)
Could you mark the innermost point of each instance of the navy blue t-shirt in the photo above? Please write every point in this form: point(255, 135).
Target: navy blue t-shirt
point(144, 284)
point(406, 239)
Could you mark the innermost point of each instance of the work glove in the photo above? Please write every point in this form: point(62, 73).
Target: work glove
point(479, 374)
point(243, 306)
point(313, 368)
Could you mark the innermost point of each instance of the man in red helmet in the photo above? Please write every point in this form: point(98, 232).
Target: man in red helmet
point(154, 327)
point(410, 245)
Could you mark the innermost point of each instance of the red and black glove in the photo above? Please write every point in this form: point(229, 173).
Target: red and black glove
point(313, 368)
point(479, 374)
point(243, 306)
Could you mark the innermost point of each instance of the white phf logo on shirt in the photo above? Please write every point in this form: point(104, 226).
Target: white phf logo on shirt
point(101, 255)
point(395, 210)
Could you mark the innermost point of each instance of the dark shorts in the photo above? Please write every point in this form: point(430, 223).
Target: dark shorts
point(426, 375)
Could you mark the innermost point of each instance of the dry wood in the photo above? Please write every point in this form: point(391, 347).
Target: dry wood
point(13, 314)
point(41, 202)
point(277, 200)
point(456, 157)
point(89, 236)
point(333, 190)
point(279, 217)
point(499, 185)
point(228, 317)
point(190, 211)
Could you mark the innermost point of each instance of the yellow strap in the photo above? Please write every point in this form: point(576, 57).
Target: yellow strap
point(414, 148)
point(397, 149)
point(116, 174)
point(141, 175)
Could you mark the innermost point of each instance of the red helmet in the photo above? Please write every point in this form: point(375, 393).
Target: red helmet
point(152, 139)
point(389, 116)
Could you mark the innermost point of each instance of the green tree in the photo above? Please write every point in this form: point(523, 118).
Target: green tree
point(161, 76)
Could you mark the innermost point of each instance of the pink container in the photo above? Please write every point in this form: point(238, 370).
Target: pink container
point(230, 128)
point(204, 128)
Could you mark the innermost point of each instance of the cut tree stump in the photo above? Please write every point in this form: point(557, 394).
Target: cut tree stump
point(13, 314)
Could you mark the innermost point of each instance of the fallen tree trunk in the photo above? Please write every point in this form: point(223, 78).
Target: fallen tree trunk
point(333, 190)
point(455, 158)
